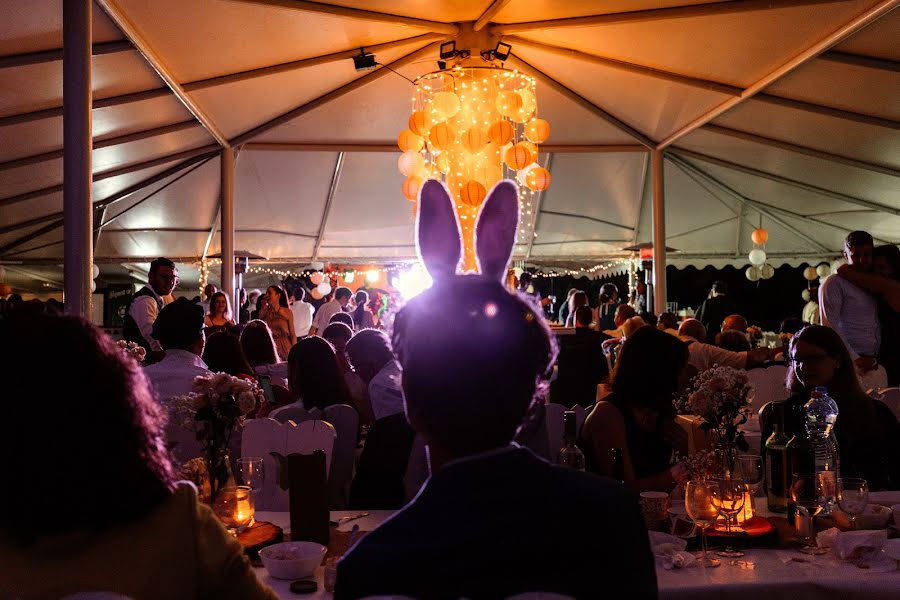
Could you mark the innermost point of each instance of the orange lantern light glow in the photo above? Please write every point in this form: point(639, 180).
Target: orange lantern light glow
point(518, 156)
point(472, 193)
point(419, 123)
point(475, 140)
point(501, 132)
point(411, 186)
point(759, 236)
point(537, 130)
point(407, 140)
point(538, 179)
point(442, 136)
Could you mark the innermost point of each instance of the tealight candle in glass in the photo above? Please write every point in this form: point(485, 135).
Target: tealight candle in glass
point(234, 507)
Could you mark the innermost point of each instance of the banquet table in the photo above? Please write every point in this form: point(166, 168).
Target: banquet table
point(773, 572)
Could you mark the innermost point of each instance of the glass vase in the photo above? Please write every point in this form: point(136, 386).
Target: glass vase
point(219, 473)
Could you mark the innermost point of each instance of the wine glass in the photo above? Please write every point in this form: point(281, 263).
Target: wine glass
point(251, 473)
point(729, 501)
point(808, 495)
point(698, 500)
point(853, 497)
point(749, 468)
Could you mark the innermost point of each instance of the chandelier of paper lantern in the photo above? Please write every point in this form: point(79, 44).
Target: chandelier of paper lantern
point(470, 127)
point(759, 268)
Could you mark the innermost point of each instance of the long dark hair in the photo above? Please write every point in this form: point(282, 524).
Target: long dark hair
point(98, 460)
point(362, 298)
point(224, 354)
point(212, 304)
point(282, 296)
point(844, 387)
point(258, 343)
point(315, 375)
point(633, 383)
point(892, 254)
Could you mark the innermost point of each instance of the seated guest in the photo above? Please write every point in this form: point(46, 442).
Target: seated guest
point(314, 375)
point(261, 352)
point(223, 354)
point(218, 318)
point(581, 365)
point(491, 520)
point(735, 323)
point(731, 339)
point(638, 416)
point(341, 317)
point(705, 356)
point(623, 313)
point(384, 459)
point(867, 432)
point(179, 328)
point(649, 318)
point(124, 525)
point(338, 335)
point(668, 322)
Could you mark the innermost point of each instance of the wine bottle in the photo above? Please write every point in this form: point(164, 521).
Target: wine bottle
point(801, 456)
point(777, 482)
point(571, 455)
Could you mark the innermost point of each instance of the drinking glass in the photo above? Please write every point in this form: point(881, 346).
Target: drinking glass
point(749, 468)
point(808, 495)
point(698, 500)
point(729, 501)
point(234, 507)
point(251, 473)
point(853, 497)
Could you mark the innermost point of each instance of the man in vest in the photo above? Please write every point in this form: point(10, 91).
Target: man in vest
point(145, 306)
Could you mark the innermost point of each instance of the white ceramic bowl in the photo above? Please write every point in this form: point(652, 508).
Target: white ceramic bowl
point(292, 560)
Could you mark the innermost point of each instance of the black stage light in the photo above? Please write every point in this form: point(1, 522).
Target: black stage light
point(448, 50)
point(501, 52)
point(363, 61)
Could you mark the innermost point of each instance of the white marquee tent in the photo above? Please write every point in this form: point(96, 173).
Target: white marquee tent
point(781, 113)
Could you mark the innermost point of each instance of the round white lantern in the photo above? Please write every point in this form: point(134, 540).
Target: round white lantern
point(806, 295)
point(324, 288)
point(767, 271)
point(757, 258)
point(810, 273)
point(752, 273)
point(95, 271)
point(823, 271)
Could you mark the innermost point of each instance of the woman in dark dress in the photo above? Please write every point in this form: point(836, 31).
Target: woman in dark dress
point(867, 432)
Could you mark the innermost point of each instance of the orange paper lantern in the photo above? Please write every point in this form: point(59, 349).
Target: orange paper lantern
point(445, 105)
point(474, 140)
point(443, 163)
point(518, 156)
point(411, 187)
point(508, 103)
point(419, 123)
point(407, 140)
point(537, 130)
point(538, 179)
point(442, 136)
point(472, 193)
point(501, 133)
point(759, 236)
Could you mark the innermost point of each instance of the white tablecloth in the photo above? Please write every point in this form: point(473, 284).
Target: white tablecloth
point(762, 573)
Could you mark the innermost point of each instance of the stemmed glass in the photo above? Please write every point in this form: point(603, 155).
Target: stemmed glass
point(853, 497)
point(698, 500)
point(749, 467)
point(729, 501)
point(808, 495)
point(251, 473)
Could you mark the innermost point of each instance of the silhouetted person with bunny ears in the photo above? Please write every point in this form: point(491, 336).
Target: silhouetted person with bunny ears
point(493, 520)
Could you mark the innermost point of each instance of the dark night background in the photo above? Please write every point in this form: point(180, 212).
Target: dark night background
point(765, 302)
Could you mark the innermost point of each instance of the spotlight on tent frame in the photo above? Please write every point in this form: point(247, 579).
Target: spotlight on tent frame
point(364, 61)
point(501, 52)
point(448, 50)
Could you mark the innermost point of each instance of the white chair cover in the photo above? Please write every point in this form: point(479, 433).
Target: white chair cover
point(263, 436)
point(768, 384)
point(891, 397)
point(292, 412)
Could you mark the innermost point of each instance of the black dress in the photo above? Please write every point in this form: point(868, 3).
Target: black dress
point(889, 354)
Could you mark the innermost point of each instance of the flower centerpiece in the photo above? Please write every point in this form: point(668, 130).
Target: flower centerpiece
point(132, 349)
point(721, 398)
point(214, 409)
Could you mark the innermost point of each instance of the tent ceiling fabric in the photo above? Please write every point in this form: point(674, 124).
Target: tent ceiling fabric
point(831, 123)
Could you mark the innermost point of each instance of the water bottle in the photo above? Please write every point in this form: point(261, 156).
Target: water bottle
point(820, 414)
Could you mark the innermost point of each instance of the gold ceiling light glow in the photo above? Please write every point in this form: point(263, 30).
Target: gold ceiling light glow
point(470, 126)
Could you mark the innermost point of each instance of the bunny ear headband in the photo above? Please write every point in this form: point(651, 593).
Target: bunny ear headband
point(438, 238)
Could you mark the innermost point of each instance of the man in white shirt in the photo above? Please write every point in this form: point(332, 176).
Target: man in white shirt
point(705, 356)
point(303, 313)
point(179, 328)
point(323, 316)
point(208, 291)
point(146, 304)
point(850, 310)
point(369, 351)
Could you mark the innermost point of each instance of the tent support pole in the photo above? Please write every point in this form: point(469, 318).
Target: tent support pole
point(77, 206)
point(227, 232)
point(659, 233)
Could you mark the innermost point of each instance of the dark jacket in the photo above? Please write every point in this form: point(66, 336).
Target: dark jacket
point(581, 365)
point(503, 523)
point(713, 311)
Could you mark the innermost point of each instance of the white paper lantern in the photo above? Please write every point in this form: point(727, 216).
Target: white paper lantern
point(324, 288)
point(522, 174)
point(518, 271)
point(95, 270)
point(93, 286)
point(757, 258)
point(316, 266)
point(810, 273)
point(836, 264)
point(806, 295)
point(767, 271)
point(752, 273)
point(823, 271)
